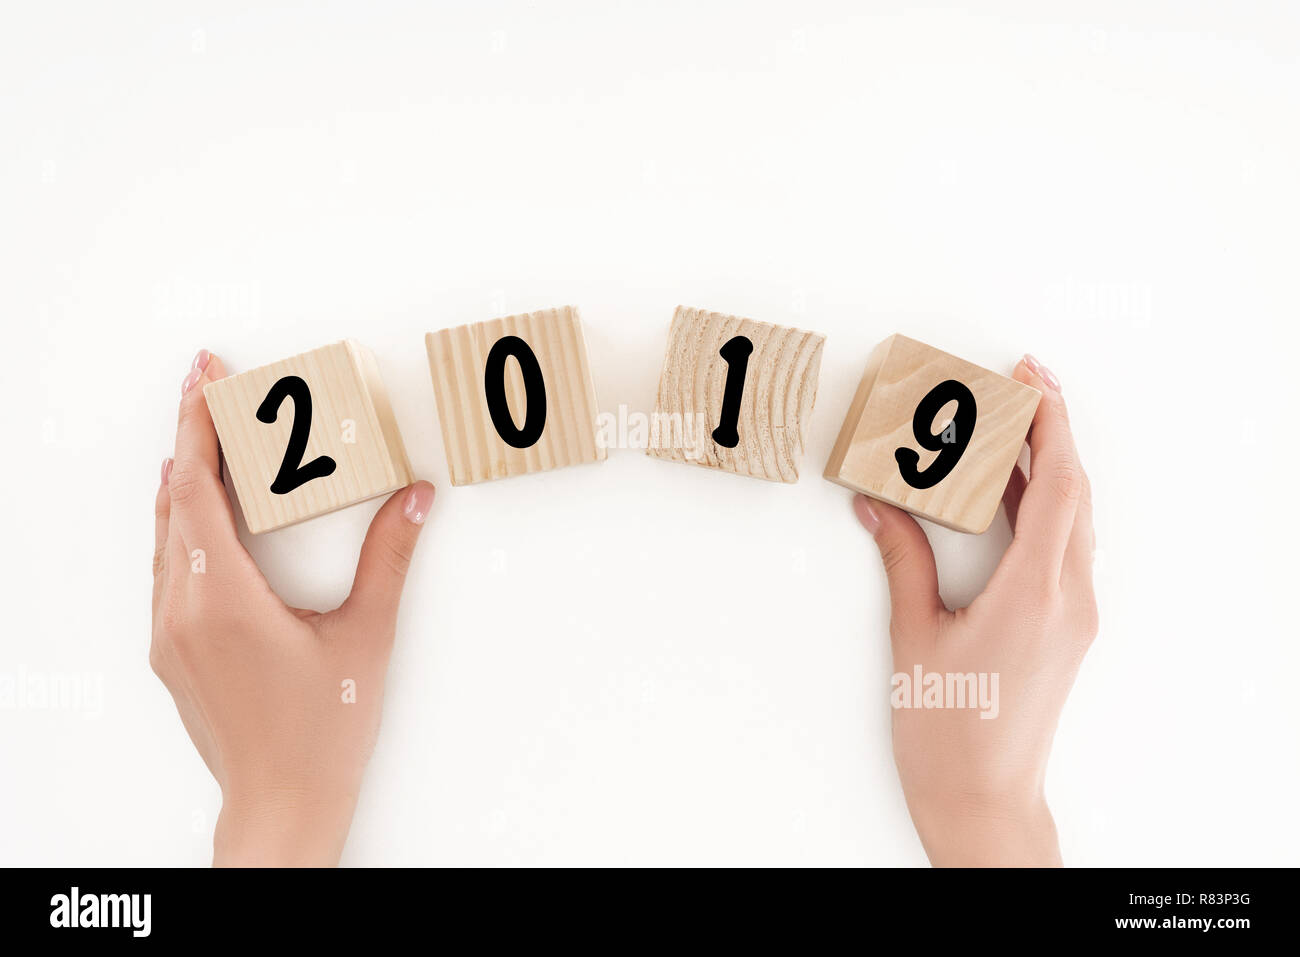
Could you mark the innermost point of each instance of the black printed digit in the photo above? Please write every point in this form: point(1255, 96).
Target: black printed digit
point(292, 474)
point(950, 442)
point(736, 352)
point(494, 386)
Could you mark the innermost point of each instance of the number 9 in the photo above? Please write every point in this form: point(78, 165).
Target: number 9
point(950, 443)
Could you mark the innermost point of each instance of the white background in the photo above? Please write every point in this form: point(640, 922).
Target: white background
point(691, 667)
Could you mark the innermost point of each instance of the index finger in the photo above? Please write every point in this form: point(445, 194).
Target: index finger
point(200, 508)
point(1051, 497)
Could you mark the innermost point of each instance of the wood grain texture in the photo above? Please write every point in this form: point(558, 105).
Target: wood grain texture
point(776, 405)
point(349, 402)
point(475, 450)
point(899, 374)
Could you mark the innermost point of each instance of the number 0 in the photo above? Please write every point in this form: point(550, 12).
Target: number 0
point(494, 387)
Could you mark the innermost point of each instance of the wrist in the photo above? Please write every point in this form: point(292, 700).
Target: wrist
point(281, 829)
point(987, 831)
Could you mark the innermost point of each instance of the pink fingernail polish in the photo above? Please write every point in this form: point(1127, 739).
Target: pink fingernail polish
point(870, 517)
point(166, 470)
point(418, 503)
point(1034, 365)
point(190, 380)
point(201, 360)
point(1050, 378)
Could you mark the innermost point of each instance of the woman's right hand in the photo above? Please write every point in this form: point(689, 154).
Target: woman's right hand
point(974, 785)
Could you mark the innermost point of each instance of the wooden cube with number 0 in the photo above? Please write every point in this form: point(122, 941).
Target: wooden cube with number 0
point(308, 435)
point(515, 395)
point(933, 434)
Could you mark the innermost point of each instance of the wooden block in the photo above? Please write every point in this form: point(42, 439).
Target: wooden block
point(933, 434)
point(735, 394)
point(308, 435)
point(515, 395)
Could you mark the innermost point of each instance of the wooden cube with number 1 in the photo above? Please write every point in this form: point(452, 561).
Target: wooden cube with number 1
point(308, 435)
point(932, 434)
point(735, 394)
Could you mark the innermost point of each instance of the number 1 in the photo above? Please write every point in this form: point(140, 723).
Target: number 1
point(736, 353)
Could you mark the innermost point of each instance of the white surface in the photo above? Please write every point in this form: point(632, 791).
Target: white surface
point(692, 667)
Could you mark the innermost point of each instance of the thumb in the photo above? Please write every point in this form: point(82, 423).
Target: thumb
point(386, 554)
point(909, 563)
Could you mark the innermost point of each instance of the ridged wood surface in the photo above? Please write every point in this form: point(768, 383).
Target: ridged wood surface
point(457, 361)
point(776, 405)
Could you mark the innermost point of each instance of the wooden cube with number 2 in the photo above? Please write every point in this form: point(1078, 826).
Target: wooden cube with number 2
point(932, 434)
point(308, 435)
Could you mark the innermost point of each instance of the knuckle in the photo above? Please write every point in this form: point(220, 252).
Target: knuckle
point(159, 559)
point(894, 555)
point(1085, 490)
point(190, 405)
point(395, 555)
point(1046, 593)
point(1055, 404)
point(1066, 481)
point(1039, 590)
point(186, 485)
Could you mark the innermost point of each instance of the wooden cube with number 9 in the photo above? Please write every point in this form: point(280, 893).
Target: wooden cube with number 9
point(308, 435)
point(933, 434)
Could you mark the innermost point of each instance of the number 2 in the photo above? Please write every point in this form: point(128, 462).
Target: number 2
point(292, 474)
point(950, 443)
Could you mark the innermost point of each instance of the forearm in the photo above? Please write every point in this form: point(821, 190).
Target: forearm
point(987, 833)
point(284, 830)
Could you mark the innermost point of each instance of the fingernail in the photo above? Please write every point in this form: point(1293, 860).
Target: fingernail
point(1050, 378)
point(418, 502)
point(1044, 373)
point(166, 470)
point(870, 517)
point(190, 380)
point(201, 360)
